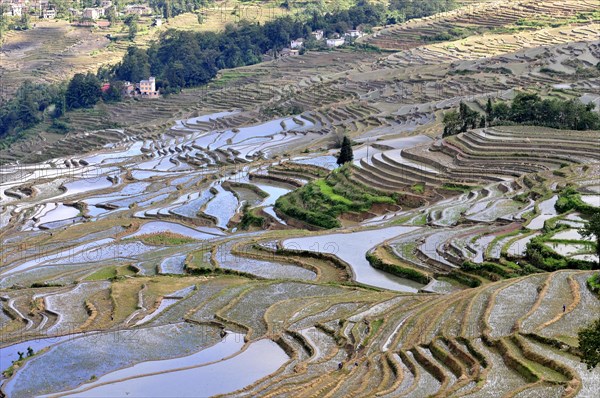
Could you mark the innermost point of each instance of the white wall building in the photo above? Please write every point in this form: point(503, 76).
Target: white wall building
point(298, 43)
point(318, 34)
point(336, 42)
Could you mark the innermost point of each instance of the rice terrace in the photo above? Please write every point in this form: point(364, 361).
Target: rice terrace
point(328, 198)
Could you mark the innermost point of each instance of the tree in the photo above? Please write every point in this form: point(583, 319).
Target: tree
point(111, 14)
point(83, 91)
point(452, 123)
point(592, 228)
point(489, 110)
point(525, 107)
point(132, 22)
point(114, 92)
point(25, 19)
point(468, 117)
point(346, 154)
point(133, 30)
point(589, 344)
point(501, 111)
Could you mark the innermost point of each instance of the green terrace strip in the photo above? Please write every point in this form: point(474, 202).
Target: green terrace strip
point(327, 190)
point(397, 270)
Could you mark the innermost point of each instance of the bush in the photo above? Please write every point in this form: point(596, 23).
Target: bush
point(60, 126)
point(593, 283)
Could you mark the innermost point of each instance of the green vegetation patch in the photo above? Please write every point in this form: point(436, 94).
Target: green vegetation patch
point(320, 202)
point(570, 199)
point(249, 219)
point(397, 270)
point(110, 273)
point(164, 239)
point(593, 283)
point(327, 190)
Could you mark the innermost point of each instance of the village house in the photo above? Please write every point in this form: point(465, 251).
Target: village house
point(93, 13)
point(157, 22)
point(335, 42)
point(287, 52)
point(318, 34)
point(128, 89)
point(354, 33)
point(139, 9)
point(298, 43)
point(16, 10)
point(37, 5)
point(49, 13)
point(148, 88)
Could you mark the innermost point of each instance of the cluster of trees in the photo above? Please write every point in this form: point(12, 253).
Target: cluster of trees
point(592, 229)
point(29, 106)
point(171, 8)
point(185, 59)
point(526, 109)
point(35, 102)
point(555, 113)
point(460, 121)
point(417, 9)
point(7, 23)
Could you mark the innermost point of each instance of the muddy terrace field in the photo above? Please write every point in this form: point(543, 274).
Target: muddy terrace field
point(132, 257)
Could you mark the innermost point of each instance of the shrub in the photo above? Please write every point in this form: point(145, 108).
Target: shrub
point(593, 283)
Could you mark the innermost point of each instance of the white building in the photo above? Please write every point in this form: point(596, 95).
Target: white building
point(318, 34)
point(16, 10)
point(139, 9)
point(148, 88)
point(287, 52)
point(49, 13)
point(354, 33)
point(336, 42)
point(298, 43)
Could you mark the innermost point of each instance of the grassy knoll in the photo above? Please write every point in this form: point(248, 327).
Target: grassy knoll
point(164, 239)
point(320, 202)
point(112, 272)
